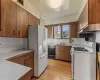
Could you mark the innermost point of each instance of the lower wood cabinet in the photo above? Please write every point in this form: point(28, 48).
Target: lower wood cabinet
point(63, 53)
point(26, 59)
point(27, 76)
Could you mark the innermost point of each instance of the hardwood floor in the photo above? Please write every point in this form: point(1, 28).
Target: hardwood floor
point(56, 70)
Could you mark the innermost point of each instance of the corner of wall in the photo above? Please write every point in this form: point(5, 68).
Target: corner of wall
point(81, 9)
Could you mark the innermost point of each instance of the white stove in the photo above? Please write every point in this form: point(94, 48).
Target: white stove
point(84, 61)
point(80, 49)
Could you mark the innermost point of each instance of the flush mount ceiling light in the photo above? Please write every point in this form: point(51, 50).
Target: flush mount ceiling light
point(55, 3)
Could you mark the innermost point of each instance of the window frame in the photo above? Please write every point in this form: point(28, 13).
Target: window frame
point(61, 37)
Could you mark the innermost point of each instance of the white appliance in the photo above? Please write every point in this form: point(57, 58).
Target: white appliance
point(84, 61)
point(37, 36)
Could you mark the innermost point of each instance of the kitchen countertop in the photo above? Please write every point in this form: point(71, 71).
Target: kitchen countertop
point(10, 70)
point(74, 45)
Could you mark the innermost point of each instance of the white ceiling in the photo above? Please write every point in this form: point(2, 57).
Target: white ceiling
point(68, 12)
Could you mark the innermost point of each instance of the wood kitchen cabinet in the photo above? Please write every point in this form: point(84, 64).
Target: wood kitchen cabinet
point(90, 16)
point(94, 11)
point(14, 20)
point(63, 53)
point(50, 31)
point(25, 25)
point(5, 18)
point(26, 59)
point(94, 14)
point(73, 30)
point(27, 76)
point(32, 19)
point(20, 21)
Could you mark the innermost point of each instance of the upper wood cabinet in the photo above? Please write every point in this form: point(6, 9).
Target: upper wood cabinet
point(73, 30)
point(14, 20)
point(25, 27)
point(5, 18)
point(50, 31)
point(20, 21)
point(94, 11)
point(33, 20)
point(90, 16)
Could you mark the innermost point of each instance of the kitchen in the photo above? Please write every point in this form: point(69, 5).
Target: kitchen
point(41, 40)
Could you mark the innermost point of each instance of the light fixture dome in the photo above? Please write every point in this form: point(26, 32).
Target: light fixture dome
point(54, 3)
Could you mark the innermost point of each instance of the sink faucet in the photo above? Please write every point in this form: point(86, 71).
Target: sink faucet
point(71, 40)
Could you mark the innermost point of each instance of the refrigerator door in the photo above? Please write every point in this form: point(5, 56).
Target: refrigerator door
point(45, 47)
point(40, 40)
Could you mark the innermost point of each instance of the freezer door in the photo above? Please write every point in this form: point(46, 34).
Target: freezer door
point(42, 64)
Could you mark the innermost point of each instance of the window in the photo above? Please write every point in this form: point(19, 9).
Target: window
point(57, 32)
point(61, 31)
point(65, 31)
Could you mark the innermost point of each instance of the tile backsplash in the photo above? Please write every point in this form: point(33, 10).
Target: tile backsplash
point(57, 41)
point(11, 44)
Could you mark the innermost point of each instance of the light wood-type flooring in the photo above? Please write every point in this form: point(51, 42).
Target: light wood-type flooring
point(56, 70)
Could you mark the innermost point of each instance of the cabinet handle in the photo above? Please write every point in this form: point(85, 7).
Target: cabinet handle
point(13, 32)
point(18, 33)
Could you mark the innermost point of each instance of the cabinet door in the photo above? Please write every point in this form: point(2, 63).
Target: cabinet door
point(37, 21)
point(31, 19)
point(73, 30)
point(27, 76)
point(50, 31)
point(5, 18)
point(19, 21)
point(94, 11)
point(14, 19)
point(25, 24)
point(63, 53)
point(29, 62)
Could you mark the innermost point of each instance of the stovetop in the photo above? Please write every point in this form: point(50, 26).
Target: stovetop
point(80, 49)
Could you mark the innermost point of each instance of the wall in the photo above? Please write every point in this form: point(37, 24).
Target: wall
point(57, 41)
point(11, 44)
point(27, 6)
point(73, 29)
